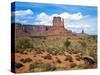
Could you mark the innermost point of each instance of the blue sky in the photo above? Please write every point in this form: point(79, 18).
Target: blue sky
point(75, 17)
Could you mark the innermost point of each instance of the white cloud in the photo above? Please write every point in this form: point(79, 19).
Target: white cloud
point(47, 19)
point(76, 16)
point(43, 18)
point(22, 12)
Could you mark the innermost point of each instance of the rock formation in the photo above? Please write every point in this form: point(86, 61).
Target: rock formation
point(44, 30)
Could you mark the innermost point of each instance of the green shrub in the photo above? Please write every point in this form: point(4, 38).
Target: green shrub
point(49, 50)
point(40, 37)
point(48, 56)
point(18, 65)
point(47, 67)
point(23, 43)
point(60, 66)
point(83, 44)
point(32, 66)
point(26, 60)
point(78, 57)
point(67, 43)
point(72, 65)
point(43, 67)
point(38, 51)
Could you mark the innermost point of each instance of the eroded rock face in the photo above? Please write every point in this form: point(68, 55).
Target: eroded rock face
point(58, 27)
point(44, 30)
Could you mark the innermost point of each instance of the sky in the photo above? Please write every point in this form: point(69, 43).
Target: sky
point(76, 18)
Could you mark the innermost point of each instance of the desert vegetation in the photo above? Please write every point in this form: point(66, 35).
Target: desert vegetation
point(41, 53)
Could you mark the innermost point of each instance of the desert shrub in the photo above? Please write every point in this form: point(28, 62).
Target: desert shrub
point(38, 51)
point(60, 52)
point(48, 56)
point(93, 53)
point(94, 37)
point(69, 58)
point(47, 67)
point(78, 57)
point(52, 51)
point(84, 47)
point(55, 53)
point(53, 68)
point(40, 37)
point(26, 60)
point(74, 51)
point(58, 60)
point(37, 70)
point(22, 51)
point(22, 60)
point(60, 66)
point(32, 66)
point(67, 43)
point(83, 44)
point(43, 67)
point(49, 50)
point(18, 65)
point(80, 66)
point(72, 65)
point(23, 43)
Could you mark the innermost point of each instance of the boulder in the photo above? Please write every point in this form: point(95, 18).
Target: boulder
point(89, 59)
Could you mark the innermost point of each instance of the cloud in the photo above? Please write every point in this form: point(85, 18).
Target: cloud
point(22, 12)
point(76, 16)
point(43, 18)
point(89, 25)
point(23, 16)
point(47, 19)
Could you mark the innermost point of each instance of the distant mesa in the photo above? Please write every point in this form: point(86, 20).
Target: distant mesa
point(45, 30)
